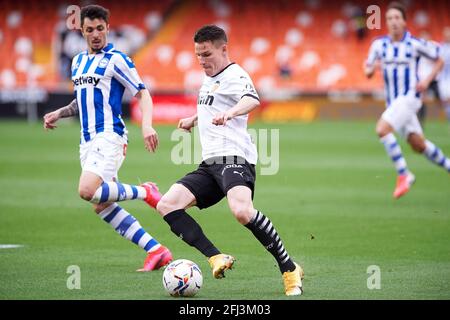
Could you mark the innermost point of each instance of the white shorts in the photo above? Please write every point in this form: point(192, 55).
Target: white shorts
point(402, 115)
point(103, 155)
point(444, 89)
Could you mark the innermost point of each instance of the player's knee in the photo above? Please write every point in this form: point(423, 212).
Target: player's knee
point(417, 143)
point(382, 128)
point(243, 214)
point(418, 146)
point(165, 206)
point(86, 193)
point(381, 131)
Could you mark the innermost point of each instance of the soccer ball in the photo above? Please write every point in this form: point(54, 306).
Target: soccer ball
point(182, 278)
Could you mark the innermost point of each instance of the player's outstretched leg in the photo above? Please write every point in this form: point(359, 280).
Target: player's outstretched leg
point(263, 230)
point(435, 155)
point(115, 191)
point(128, 227)
point(404, 177)
point(186, 228)
point(240, 202)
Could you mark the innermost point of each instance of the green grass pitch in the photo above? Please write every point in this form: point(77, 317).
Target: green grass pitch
point(331, 202)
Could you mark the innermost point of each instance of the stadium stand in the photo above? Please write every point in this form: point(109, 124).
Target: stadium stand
point(309, 46)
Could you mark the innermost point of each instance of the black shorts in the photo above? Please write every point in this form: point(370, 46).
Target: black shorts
point(215, 176)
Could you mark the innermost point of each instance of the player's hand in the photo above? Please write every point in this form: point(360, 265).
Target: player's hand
point(369, 71)
point(221, 118)
point(186, 124)
point(50, 120)
point(150, 138)
point(422, 86)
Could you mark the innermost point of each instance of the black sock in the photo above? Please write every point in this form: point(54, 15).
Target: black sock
point(185, 227)
point(263, 229)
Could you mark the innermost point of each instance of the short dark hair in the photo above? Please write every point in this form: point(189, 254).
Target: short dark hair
point(94, 12)
point(210, 33)
point(399, 6)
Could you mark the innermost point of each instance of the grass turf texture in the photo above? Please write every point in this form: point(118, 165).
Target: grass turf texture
point(331, 202)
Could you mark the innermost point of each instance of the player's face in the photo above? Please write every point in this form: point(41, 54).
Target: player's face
point(395, 23)
point(211, 57)
point(95, 32)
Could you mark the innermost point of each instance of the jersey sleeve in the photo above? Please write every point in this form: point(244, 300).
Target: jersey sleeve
point(374, 53)
point(242, 86)
point(76, 63)
point(125, 72)
point(427, 49)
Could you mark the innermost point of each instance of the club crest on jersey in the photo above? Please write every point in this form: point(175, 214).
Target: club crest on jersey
point(103, 63)
point(215, 86)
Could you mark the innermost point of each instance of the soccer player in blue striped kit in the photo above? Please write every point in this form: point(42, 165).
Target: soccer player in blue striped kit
point(100, 76)
point(399, 53)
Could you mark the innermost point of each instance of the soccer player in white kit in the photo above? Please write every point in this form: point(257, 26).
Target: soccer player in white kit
point(399, 53)
point(100, 75)
point(229, 157)
point(444, 75)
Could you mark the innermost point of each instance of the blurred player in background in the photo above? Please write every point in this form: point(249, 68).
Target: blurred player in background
point(426, 66)
point(229, 157)
point(399, 53)
point(100, 75)
point(444, 76)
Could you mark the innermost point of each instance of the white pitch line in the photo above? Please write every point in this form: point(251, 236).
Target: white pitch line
point(10, 246)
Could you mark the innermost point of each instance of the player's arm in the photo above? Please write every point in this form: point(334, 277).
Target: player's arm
point(68, 111)
point(372, 61)
point(425, 83)
point(125, 72)
point(244, 106)
point(187, 123)
point(369, 70)
point(430, 50)
point(146, 107)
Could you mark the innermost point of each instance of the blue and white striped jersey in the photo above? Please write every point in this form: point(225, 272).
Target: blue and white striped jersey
point(100, 80)
point(399, 63)
point(444, 75)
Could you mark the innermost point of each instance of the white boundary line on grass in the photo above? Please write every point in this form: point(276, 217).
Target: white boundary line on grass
point(10, 246)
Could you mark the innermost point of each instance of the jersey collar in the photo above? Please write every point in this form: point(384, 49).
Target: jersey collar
point(108, 47)
point(222, 70)
point(406, 35)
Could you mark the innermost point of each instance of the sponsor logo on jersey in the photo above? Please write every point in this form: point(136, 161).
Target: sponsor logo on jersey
point(86, 80)
point(206, 100)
